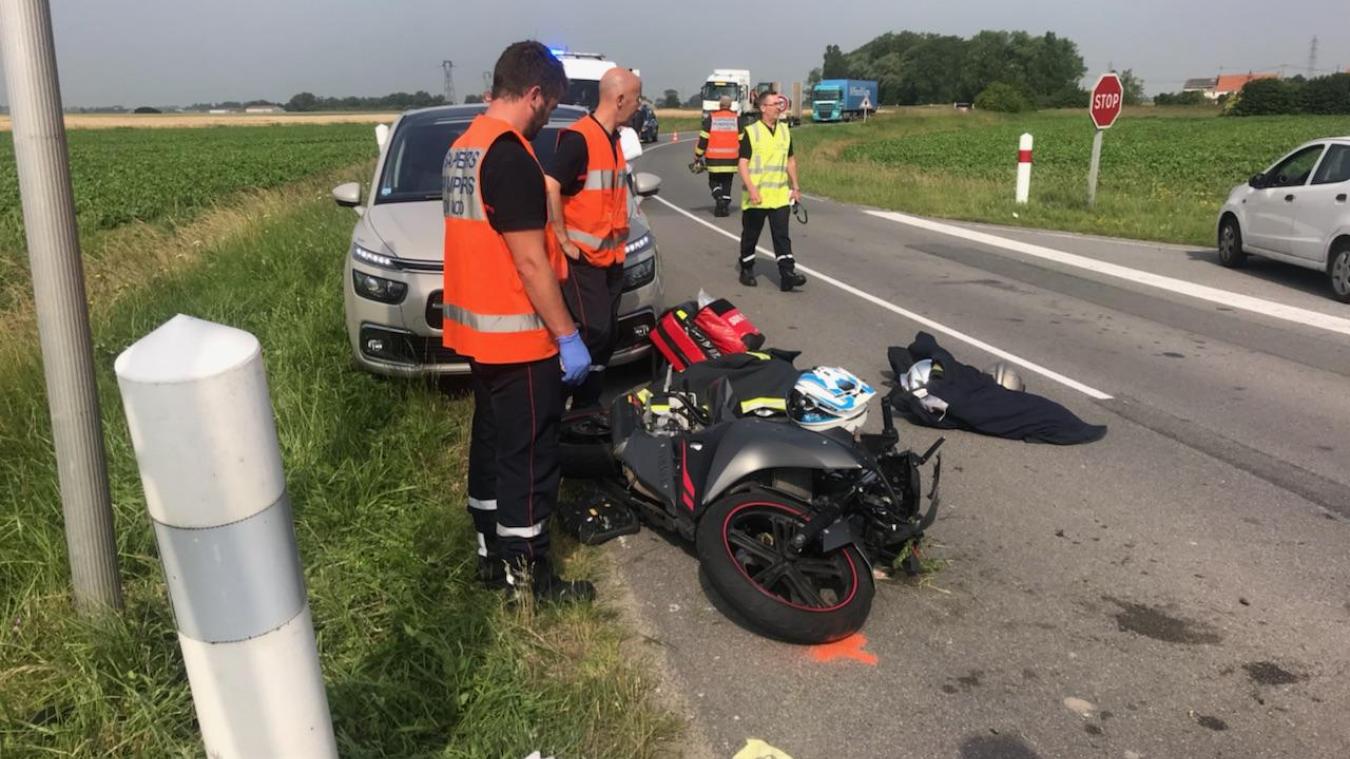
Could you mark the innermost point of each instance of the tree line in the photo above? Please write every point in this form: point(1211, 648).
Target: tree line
point(913, 68)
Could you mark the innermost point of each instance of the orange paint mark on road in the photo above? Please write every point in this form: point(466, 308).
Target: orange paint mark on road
point(848, 648)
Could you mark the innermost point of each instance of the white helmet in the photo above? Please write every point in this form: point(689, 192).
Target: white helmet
point(919, 373)
point(828, 397)
point(1005, 375)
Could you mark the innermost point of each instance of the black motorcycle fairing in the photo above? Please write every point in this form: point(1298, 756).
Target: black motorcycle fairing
point(753, 445)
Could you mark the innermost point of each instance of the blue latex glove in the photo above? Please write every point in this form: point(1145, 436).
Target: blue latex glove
point(576, 359)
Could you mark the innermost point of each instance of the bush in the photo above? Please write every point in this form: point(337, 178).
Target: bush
point(1194, 97)
point(1266, 97)
point(1068, 97)
point(1327, 94)
point(1003, 98)
point(147, 109)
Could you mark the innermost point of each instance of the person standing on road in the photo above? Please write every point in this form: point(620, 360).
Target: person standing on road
point(769, 185)
point(588, 204)
point(718, 147)
point(504, 310)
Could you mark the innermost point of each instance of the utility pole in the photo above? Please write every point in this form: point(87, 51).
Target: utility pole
point(449, 68)
point(28, 54)
point(1312, 57)
point(487, 82)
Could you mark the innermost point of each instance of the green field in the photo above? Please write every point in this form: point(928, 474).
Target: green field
point(418, 660)
point(1164, 172)
point(168, 176)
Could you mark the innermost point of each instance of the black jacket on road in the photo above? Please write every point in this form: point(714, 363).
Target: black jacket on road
point(976, 402)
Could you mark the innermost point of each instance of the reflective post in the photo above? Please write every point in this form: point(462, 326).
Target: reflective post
point(196, 400)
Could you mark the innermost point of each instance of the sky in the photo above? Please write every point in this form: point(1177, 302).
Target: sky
point(178, 52)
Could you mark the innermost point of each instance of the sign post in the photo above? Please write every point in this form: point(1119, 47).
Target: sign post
point(1104, 108)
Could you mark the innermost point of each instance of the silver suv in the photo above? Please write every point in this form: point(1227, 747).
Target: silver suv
point(393, 271)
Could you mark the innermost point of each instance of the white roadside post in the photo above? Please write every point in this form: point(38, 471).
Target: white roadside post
point(1024, 168)
point(197, 405)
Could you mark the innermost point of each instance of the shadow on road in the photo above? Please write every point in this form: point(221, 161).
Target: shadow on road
point(1288, 275)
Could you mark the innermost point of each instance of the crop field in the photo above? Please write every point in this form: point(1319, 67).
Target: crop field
point(1164, 173)
point(166, 176)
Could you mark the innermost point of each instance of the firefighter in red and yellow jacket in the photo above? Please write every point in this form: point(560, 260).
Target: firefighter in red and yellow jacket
point(588, 203)
point(504, 310)
point(719, 148)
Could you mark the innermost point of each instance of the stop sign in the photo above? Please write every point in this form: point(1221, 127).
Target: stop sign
point(1107, 97)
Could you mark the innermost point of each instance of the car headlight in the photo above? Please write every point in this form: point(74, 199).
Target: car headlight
point(639, 274)
point(371, 257)
point(378, 288)
point(638, 244)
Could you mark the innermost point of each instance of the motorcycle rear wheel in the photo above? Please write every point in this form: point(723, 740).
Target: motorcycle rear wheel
point(742, 544)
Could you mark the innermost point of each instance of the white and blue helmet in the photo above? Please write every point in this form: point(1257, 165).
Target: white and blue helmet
point(827, 397)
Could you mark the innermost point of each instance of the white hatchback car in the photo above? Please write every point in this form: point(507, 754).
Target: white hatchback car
point(1297, 212)
point(393, 270)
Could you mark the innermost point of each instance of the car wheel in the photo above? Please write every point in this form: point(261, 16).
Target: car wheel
point(1230, 244)
point(1339, 270)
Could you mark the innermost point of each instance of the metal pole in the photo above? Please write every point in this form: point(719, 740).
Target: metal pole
point(1092, 170)
point(29, 58)
point(196, 400)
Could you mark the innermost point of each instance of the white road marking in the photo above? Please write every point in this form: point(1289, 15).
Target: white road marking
point(1087, 390)
point(1171, 284)
point(814, 197)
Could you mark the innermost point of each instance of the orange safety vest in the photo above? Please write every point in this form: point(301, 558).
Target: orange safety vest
point(724, 140)
point(596, 217)
point(486, 313)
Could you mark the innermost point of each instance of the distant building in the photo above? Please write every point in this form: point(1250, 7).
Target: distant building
point(265, 109)
point(1228, 84)
point(1202, 84)
point(218, 111)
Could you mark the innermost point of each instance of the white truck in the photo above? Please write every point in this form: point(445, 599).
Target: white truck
point(583, 76)
point(733, 83)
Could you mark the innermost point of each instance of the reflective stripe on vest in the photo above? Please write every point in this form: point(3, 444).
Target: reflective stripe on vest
point(596, 217)
point(487, 314)
point(768, 165)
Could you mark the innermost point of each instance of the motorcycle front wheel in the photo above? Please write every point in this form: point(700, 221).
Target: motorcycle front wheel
point(743, 546)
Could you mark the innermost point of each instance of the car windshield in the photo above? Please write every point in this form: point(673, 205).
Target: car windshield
point(412, 168)
point(827, 93)
point(582, 92)
point(718, 90)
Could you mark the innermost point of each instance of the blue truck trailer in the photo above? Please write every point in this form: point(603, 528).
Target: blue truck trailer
point(843, 99)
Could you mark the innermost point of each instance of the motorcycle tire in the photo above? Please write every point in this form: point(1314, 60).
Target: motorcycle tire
point(742, 545)
point(584, 451)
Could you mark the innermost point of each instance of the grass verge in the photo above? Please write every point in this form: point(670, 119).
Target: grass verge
point(418, 661)
point(1164, 172)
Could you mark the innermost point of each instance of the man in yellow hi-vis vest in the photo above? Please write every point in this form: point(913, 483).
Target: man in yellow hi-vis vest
point(769, 180)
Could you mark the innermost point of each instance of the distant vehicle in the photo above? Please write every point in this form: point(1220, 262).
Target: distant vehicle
point(732, 83)
point(843, 99)
point(583, 76)
point(393, 271)
point(1296, 212)
point(645, 123)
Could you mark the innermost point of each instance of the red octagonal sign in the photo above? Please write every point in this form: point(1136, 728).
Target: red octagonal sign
point(1107, 98)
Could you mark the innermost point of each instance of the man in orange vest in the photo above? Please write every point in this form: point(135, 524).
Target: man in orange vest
point(588, 203)
point(504, 310)
point(719, 148)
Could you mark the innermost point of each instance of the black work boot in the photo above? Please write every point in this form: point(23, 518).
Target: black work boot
point(545, 586)
point(491, 572)
point(748, 278)
point(790, 279)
